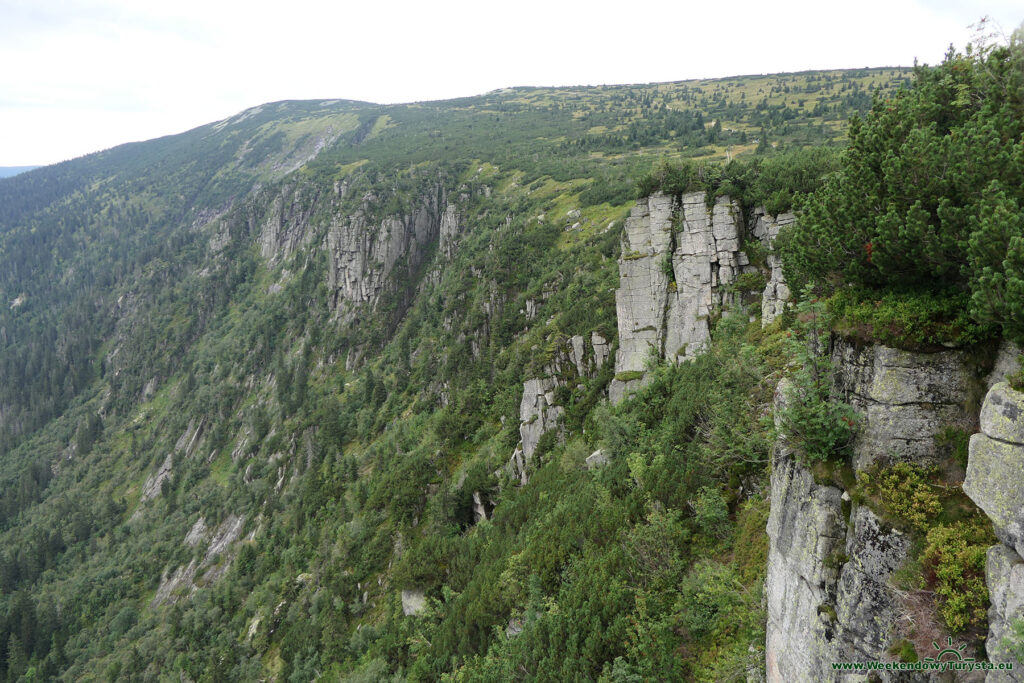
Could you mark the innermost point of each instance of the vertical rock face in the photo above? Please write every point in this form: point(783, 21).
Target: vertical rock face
point(642, 296)
point(678, 260)
point(537, 412)
point(866, 608)
point(286, 226)
point(776, 293)
point(905, 399)
point(364, 253)
point(805, 529)
point(1004, 576)
point(830, 562)
point(538, 409)
point(995, 481)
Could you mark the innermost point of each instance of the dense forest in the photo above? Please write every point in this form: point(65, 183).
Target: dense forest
point(260, 383)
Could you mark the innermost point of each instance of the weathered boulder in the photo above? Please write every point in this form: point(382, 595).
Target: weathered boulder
point(995, 467)
point(1002, 414)
point(414, 601)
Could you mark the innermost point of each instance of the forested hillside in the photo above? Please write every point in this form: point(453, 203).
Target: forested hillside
point(321, 390)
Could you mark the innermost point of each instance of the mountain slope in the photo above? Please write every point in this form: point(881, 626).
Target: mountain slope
point(259, 383)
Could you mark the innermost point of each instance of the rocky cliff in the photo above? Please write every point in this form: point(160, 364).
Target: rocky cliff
point(831, 593)
point(539, 411)
point(364, 253)
point(679, 267)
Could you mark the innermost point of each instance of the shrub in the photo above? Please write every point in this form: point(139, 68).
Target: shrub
point(905, 494)
point(815, 423)
point(912, 209)
point(905, 319)
point(954, 562)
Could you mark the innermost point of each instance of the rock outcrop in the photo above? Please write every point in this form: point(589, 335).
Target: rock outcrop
point(151, 489)
point(829, 591)
point(905, 399)
point(539, 411)
point(995, 482)
point(364, 253)
point(679, 264)
point(776, 293)
point(806, 530)
point(414, 601)
point(285, 225)
point(181, 583)
point(1004, 576)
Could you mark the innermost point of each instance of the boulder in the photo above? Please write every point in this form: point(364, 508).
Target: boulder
point(1002, 414)
point(596, 459)
point(1004, 575)
point(414, 601)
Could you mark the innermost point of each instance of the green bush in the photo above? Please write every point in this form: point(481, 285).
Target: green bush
point(814, 421)
point(954, 562)
point(906, 319)
point(912, 210)
point(905, 493)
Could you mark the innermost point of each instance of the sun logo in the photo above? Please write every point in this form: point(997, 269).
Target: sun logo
point(955, 653)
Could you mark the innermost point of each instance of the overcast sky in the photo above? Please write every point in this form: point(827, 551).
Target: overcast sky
point(78, 76)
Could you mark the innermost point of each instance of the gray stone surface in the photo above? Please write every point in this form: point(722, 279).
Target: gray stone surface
point(1004, 575)
point(601, 349)
point(1002, 414)
point(197, 534)
point(805, 528)
point(479, 511)
point(596, 459)
point(677, 262)
point(537, 412)
point(867, 609)
point(640, 300)
point(286, 224)
point(828, 591)
point(152, 487)
point(1007, 363)
point(414, 601)
point(776, 293)
point(905, 398)
point(363, 254)
point(995, 466)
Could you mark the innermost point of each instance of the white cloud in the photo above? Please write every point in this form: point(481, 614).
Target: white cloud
point(81, 76)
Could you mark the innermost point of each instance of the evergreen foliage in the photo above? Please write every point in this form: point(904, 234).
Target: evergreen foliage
point(928, 200)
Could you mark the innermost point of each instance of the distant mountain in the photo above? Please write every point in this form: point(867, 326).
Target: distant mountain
point(8, 171)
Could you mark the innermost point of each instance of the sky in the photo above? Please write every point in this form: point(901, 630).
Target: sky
point(79, 76)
